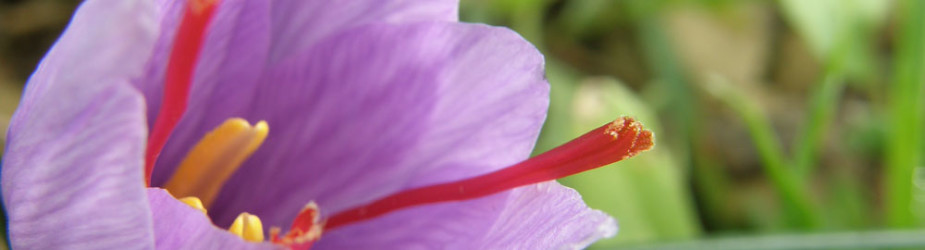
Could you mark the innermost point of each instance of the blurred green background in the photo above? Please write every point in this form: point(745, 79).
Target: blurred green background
point(785, 124)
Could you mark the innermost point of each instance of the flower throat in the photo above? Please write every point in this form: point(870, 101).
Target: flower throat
point(210, 163)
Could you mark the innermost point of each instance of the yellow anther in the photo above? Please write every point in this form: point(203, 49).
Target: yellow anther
point(248, 227)
point(212, 161)
point(194, 202)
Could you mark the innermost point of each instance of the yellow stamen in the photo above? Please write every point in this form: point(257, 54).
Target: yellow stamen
point(248, 227)
point(212, 161)
point(194, 202)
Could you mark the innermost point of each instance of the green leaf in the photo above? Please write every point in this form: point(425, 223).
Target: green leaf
point(824, 22)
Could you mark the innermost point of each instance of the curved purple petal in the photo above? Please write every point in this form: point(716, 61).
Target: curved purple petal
point(72, 175)
point(298, 24)
point(178, 226)
point(547, 215)
point(168, 13)
point(243, 37)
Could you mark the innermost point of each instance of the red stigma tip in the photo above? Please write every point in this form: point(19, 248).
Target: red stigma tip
point(183, 58)
point(615, 141)
point(303, 233)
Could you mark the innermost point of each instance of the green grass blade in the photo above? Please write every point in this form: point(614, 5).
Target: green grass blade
point(822, 105)
point(905, 122)
point(797, 207)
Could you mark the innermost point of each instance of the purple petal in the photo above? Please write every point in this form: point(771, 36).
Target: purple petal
point(151, 84)
point(179, 226)
point(542, 216)
point(243, 36)
point(72, 175)
point(546, 215)
point(384, 108)
point(298, 24)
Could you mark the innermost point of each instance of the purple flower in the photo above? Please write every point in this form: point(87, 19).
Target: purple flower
point(404, 126)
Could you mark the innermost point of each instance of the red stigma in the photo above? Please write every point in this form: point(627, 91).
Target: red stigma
point(607, 144)
point(303, 233)
point(183, 58)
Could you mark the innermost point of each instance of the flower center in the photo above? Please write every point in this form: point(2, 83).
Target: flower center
point(211, 162)
point(217, 155)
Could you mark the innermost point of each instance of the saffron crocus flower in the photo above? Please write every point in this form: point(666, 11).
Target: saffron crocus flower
point(393, 126)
